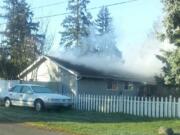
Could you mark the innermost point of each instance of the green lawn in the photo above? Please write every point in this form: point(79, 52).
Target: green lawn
point(86, 123)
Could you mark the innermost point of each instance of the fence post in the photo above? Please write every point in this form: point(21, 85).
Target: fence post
point(134, 110)
point(146, 107)
point(131, 105)
point(99, 103)
point(153, 107)
point(157, 107)
point(142, 107)
point(170, 107)
point(96, 102)
point(103, 103)
point(127, 104)
point(174, 107)
point(86, 96)
point(81, 101)
point(114, 104)
point(149, 107)
point(165, 107)
point(138, 106)
point(110, 104)
point(117, 104)
point(124, 104)
point(162, 107)
point(178, 107)
point(89, 102)
point(121, 103)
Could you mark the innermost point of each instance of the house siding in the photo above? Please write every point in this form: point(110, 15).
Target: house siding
point(45, 72)
point(99, 86)
point(48, 71)
point(68, 82)
point(51, 74)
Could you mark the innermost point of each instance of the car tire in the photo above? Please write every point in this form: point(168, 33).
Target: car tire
point(7, 102)
point(38, 106)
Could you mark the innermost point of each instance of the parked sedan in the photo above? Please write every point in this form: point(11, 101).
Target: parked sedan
point(36, 96)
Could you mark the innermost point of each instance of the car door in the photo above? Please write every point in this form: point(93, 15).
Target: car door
point(14, 95)
point(27, 96)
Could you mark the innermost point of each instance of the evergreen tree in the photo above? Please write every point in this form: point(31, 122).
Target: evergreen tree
point(104, 21)
point(21, 38)
point(106, 36)
point(76, 24)
point(172, 59)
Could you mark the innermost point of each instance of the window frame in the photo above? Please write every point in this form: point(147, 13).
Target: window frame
point(112, 85)
point(13, 89)
point(127, 86)
point(30, 90)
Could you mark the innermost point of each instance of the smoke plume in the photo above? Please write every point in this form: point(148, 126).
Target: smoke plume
point(101, 53)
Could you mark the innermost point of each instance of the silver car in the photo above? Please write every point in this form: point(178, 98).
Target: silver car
point(36, 96)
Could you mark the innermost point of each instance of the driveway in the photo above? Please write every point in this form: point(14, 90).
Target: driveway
point(20, 129)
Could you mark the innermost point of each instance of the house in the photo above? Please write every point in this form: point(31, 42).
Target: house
point(74, 79)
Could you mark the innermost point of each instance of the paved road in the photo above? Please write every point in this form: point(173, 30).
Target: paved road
point(19, 129)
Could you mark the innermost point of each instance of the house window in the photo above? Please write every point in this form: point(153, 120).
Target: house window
point(128, 86)
point(112, 85)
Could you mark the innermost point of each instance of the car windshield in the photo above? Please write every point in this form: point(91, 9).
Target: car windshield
point(41, 89)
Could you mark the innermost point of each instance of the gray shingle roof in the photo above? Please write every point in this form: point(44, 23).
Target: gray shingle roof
point(85, 71)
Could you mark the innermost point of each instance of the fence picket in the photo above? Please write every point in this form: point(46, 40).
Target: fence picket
point(105, 103)
point(114, 104)
point(146, 107)
point(149, 107)
point(117, 104)
point(157, 107)
point(170, 107)
point(138, 106)
point(134, 111)
point(131, 105)
point(127, 104)
point(142, 107)
point(162, 107)
point(166, 108)
point(153, 107)
point(178, 108)
point(121, 104)
point(174, 108)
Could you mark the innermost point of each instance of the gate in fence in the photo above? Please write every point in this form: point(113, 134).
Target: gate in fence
point(138, 106)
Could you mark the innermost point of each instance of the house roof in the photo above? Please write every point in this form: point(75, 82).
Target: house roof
point(87, 72)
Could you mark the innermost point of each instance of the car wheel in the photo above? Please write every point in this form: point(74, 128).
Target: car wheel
point(38, 105)
point(7, 102)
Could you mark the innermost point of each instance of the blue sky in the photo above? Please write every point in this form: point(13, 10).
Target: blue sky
point(132, 21)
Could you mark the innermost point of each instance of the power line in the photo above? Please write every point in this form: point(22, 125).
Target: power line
point(50, 5)
point(93, 8)
point(113, 4)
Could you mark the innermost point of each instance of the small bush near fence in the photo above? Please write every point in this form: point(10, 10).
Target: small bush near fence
point(138, 106)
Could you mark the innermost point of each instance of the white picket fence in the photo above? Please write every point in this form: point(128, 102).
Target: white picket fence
point(138, 106)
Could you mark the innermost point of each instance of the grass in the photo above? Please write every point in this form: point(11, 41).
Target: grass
point(87, 123)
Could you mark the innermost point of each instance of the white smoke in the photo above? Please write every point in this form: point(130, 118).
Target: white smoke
point(141, 58)
point(97, 52)
point(100, 53)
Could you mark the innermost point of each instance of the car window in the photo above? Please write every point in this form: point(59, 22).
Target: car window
point(26, 89)
point(16, 89)
point(41, 89)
